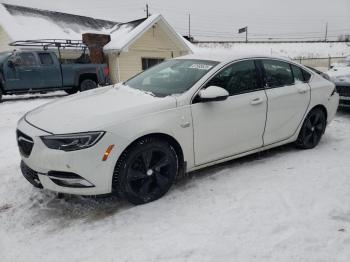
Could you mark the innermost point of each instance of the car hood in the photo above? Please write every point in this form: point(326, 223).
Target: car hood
point(339, 71)
point(96, 109)
point(339, 75)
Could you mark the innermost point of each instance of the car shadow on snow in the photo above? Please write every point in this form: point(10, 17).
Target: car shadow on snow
point(66, 209)
point(16, 98)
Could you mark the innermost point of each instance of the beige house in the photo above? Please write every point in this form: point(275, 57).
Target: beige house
point(132, 50)
point(134, 46)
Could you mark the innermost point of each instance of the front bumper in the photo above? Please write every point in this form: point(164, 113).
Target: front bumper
point(79, 172)
point(344, 93)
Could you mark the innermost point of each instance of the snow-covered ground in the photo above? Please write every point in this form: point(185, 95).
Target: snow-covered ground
point(281, 205)
point(292, 50)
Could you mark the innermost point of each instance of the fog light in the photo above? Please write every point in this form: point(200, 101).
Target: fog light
point(74, 183)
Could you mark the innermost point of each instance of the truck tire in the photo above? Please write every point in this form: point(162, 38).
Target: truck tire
point(71, 91)
point(87, 84)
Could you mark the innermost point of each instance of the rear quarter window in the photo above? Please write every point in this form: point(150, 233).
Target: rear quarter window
point(307, 76)
point(297, 73)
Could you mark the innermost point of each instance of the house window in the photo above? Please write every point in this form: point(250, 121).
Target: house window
point(149, 62)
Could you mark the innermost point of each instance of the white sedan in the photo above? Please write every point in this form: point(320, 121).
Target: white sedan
point(135, 138)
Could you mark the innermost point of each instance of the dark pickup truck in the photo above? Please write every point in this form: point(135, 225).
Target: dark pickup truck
point(41, 71)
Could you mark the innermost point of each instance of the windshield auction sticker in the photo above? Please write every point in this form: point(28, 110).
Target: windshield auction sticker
point(201, 66)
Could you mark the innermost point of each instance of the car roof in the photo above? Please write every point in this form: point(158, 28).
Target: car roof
point(229, 56)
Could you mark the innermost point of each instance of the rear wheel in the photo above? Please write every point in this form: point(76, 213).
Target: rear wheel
point(146, 171)
point(87, 84)
point(0, 95)
point(312, 130)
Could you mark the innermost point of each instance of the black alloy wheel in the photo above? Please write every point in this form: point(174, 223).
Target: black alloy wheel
point(146, 171)
point(312, 130)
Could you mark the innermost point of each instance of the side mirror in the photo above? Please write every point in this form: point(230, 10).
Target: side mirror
point(213, 93)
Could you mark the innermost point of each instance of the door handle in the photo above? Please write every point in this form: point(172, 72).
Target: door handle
point(256, 101)
point(302, 90)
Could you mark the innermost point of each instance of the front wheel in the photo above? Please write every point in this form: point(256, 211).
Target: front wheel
point(146, 171)
point(312, 130)
point(87, 84)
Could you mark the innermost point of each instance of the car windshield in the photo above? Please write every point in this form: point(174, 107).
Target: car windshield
point(171, 77)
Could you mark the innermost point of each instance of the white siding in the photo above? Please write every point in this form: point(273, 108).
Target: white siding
point(154, 43)
point(4, 40)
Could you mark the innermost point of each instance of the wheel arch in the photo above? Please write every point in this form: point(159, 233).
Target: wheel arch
point(322, 107)
point(161, 136)
point(85, 76)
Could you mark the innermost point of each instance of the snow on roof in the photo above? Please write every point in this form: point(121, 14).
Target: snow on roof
point(24, 23)
point(124, 34)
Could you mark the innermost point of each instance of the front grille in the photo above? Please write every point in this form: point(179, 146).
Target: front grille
point(25, 143)
point(345, 102)
point(343, 90)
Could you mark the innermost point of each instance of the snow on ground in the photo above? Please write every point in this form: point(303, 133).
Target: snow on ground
point(292, 50)
point(281, 205)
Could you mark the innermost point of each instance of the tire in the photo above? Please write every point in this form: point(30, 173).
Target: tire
point(87, 84)
point(146, 171)
point(71, 91)
point(312, 130)
point(0, 95)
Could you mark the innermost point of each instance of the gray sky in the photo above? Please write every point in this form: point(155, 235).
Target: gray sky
point(221, 18)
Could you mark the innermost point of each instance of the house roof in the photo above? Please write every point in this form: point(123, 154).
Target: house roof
point(124, 35)
point(24, 23)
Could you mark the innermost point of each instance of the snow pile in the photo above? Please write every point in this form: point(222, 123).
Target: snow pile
point(292, 50)
point(281, 205)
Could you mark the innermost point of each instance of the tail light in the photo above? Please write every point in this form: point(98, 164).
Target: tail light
point(106, 71)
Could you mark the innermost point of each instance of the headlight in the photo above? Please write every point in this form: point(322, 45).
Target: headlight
point(72, 142)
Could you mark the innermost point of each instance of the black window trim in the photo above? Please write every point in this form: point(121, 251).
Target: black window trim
point(290, 65)
point(260, 70)
point(258, 74)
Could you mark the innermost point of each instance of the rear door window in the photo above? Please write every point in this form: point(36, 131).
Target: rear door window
point(277, 73)
point(45, 59)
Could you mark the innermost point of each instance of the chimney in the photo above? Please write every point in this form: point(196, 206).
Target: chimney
point(95, 43)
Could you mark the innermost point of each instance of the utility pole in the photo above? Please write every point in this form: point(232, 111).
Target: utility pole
point(325, 38)
point(147, 11)
point(189, 27)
